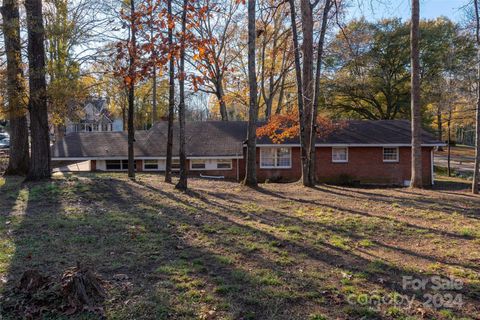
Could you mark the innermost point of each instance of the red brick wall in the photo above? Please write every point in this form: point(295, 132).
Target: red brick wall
point(364, 164)
point(281, 175)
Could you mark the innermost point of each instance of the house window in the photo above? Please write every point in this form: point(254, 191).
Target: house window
point(197, 164)
point(114, 164)
point(390, 154)
point(118, 165)
point(150, 165)
point(275, 158)
point(224, 164)
point(175, 164)
point(340, 155)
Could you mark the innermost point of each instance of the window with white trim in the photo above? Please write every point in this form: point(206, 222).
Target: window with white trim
point(340, 154)
point(150, 165)
point(390, 154)
point(224, 164)
point(275, 157)
point(197, 164)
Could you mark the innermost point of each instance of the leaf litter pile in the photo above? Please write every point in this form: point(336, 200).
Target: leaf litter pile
point(78, 289)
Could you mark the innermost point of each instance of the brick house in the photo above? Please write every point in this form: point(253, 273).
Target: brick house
point(365, 152)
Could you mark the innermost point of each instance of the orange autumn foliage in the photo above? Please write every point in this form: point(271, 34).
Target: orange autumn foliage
point(286, 126)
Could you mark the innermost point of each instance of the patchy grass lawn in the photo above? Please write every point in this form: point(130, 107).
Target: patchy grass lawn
point(223, 251)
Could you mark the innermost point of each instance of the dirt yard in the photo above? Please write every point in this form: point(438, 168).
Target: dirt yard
point(223, 251)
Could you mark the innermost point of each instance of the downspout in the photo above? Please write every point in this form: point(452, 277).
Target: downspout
point(432, 154)
point(238, 167)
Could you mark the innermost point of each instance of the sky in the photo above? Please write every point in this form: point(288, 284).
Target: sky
point(429, 9)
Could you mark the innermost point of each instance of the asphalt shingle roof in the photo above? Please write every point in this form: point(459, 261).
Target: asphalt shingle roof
point(218, 138)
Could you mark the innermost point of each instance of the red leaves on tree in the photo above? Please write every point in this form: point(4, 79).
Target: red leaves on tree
point(151, 51)
point(286, 126)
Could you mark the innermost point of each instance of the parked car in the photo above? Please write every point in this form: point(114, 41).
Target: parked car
point(4, 135)
point(5, 143)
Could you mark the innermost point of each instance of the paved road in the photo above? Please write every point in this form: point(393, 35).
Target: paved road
point(459, 164)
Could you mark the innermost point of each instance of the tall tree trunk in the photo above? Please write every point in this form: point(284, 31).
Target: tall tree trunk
point(298, 74)
point(308, 84)
point(40, 144)
point(154, 97)
point(19, 148)
point(124, 117)
point(312, 177)
point(183, 182)
point(281, 95)
point(131, 95)
point(439, 123)
point(449, 136)
point(251, 168)
point(171, 99)
point(220, 92)
point(476, 178)
point(417, 176)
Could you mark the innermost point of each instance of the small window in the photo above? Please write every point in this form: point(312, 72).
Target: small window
point(224, 164)
point(339, 154)
point(197, 164)
point(390, 154)
point(114, 165)
point(275, 158)
point(176, 164)
point(150, 165)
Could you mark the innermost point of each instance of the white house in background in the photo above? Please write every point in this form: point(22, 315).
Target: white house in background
point(94, 117)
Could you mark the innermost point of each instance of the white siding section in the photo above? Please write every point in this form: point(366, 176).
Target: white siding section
point(210, 164)
point(101, 165)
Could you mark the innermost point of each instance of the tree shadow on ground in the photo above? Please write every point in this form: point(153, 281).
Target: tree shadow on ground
point(172, 255)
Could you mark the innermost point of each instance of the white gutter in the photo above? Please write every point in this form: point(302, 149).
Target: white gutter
point(139, 158)
point(363, 145)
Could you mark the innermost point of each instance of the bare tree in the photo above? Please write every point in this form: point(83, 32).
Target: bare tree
point(417, 177)
point(476, 178)
point(308, 85)
point(219, 24)
point(171, 96)
point(183, 182)
point(251, 170)
point(131, 91)
point(19, 149)
point(298, 74)
point(40, 139)
point(275, 57)
point(316, 99)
